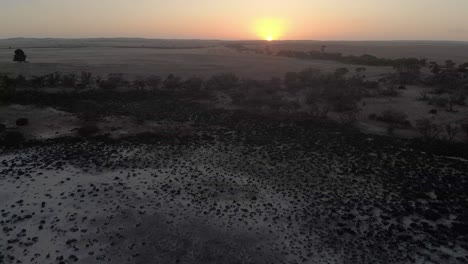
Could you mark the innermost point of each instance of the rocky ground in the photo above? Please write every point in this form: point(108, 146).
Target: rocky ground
point(251, 192)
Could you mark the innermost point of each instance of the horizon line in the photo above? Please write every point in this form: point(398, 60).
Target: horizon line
point(213, 39)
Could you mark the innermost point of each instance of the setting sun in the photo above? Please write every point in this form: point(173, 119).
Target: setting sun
point(269, 29)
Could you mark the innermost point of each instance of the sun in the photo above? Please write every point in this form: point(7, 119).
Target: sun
point(269, 29)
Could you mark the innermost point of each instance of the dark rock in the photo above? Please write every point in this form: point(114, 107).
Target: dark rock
point(431, 215)
point(22, 122)
point(460, 228)
point(2, 127)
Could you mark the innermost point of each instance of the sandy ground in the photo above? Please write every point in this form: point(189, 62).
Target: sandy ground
point(139, 61)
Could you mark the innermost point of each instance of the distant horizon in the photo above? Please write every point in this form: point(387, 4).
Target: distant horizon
point(220, 39)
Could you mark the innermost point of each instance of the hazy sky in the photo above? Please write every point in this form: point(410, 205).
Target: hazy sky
point(237, 19)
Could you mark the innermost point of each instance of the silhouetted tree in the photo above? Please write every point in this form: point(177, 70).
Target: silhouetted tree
point(20, 56)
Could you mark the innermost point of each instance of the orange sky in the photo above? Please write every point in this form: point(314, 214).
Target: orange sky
point(240, 19)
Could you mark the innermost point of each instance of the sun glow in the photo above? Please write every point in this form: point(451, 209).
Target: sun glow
point(269, 29)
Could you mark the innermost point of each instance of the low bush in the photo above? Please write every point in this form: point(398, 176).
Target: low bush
point(85, 79)
point(222, 82)
point(389, 91)
point(464, 127)
point(172, 82)
point(427, 128)
point(6, 90)
point(88, 131)
point(13, 138)
point(114, 80)
point(69, 80)
point(394, 117)
point(193, 84)
point(153, 82)
point(451, 131)
point(439, 101)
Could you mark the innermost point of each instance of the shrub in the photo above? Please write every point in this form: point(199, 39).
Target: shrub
point(427, 128)
point(38, 81)
point(85, 79)
point(153, 82)
point(6, 90)
point(172, 82)
point(69, 80)
point(53, 79)
point(394, 117)
point(222, 82)
point(452, 131)
point(318, 112)
point(139, 84)
point(348, 117)
point(343, 104)
point(423, 96)
point(13, 138)
point(88, 131)
point(193, 84)
point(458, 99)
point(389, 91)
point(114, 80)
point(291, 81)
point(341, 97)
point(87, 110)
point(464, 127)
point(20, 81)
point(341, 72)
point(438, 101)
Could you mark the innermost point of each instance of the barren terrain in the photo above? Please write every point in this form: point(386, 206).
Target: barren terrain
point(176, 175)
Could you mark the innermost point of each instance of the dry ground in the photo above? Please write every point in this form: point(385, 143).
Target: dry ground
point(135, 62)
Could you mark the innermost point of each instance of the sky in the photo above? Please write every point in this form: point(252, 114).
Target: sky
point(237, 19)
